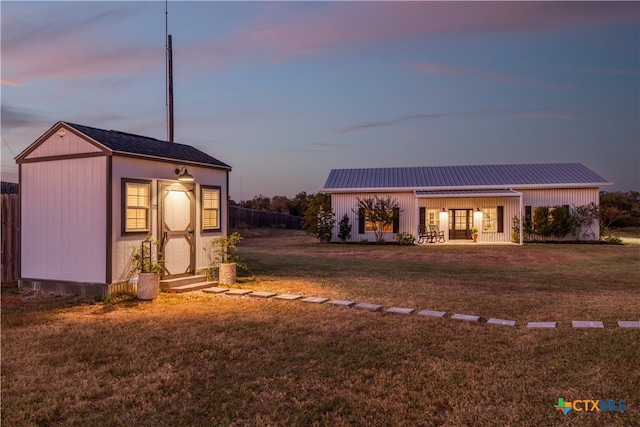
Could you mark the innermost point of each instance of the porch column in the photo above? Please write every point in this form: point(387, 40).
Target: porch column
point(521, 221)
point(416, 216)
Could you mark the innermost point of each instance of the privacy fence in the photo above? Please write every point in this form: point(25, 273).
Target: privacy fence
point(252, 218)
point(10, 244)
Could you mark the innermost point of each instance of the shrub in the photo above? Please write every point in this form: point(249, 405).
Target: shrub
point(345, 229)
point(405, 238)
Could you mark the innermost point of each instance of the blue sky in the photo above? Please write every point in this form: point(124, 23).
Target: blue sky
point(286, 91)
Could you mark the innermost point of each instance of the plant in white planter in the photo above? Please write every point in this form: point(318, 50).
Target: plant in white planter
point(226, 258)
point(474, 233)
point(147, 266)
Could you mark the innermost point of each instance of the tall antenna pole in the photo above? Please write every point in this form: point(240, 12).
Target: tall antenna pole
point(169, 73)
point(170, 54)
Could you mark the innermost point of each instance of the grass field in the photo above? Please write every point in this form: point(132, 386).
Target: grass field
point(199, 359)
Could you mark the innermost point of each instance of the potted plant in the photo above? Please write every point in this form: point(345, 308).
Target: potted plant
point(474, 233)
point(226, 258)
point(148, 269)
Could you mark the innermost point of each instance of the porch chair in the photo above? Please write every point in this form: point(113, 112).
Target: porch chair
point(436, 234)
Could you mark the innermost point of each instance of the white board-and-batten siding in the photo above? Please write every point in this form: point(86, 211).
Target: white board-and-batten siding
point(63, 214)
point(511, 207)
point(347, 203)
point(409, 217)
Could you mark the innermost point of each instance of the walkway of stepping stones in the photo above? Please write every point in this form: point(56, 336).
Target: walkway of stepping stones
point(401, 310)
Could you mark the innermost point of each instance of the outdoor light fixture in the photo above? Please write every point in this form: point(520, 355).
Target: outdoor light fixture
point(185, 176)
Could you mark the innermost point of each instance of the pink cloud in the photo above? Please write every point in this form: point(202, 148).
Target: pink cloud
point(5, 82)
point(483, 73)
point(345, 23)
point(531, 113)
point(56, 44)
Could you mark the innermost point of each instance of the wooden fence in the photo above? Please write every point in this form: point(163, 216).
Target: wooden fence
point(10, 243)
point(242, 217)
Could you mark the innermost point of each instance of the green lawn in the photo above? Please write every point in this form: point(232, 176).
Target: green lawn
point(199, 359)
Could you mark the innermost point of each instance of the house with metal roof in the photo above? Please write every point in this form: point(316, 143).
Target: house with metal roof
point(89, 196)
point(457, 199)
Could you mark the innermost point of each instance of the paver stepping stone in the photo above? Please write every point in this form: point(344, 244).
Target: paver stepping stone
point(368, 307)
point(541, 325)
point(314, 300)
point(466, 317)
point(342, 303)
point(262, 294)
point(239, 292)
point(504, 322)
point(288, 297)
point(586, 324)
point(214, 290)
point(400, 310)
point(628, 324)
point(432, 313)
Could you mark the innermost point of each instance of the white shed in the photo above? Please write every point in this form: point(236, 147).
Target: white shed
point(89, 196)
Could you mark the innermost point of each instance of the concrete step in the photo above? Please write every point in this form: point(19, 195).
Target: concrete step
point(191, 287)
point(167, 284)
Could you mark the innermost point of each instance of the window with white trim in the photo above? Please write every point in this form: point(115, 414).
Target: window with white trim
point(137, 206)
point(210, 202)
point(490, 219)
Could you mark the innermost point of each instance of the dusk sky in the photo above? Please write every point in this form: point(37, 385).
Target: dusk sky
point(286, 91)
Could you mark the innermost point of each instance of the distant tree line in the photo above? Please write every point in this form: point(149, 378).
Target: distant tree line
point(279, 204)
point(618, 209)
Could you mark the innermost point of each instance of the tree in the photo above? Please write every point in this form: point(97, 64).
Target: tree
point(562, 223)
point(316, 203)
point(324, 229)
point(299, 204)
point(345, 229)
point(542, 221)
point(380, 212)
point(584, 217)
point(620, 209)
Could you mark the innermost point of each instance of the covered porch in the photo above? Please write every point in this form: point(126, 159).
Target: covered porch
point(458, 213)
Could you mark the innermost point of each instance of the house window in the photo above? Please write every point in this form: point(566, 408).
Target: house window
point(365, 225)
point(492, 219)
point(489, 219)
point(432, 217)
point(210, 202)
point(136, 206)
point(370, 226)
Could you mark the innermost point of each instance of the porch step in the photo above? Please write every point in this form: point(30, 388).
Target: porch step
point(180, 283)
point(191, 287)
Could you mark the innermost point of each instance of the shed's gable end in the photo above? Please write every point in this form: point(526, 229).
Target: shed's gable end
point(61, 141)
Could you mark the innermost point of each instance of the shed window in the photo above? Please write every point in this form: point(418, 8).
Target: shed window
point(137, 204)
point(210, 208)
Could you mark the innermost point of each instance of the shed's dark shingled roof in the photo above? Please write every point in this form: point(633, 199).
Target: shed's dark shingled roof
point(122, 142)
point(463, 176)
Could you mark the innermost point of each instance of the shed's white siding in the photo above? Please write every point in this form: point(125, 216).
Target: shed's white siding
point(132, 168)
point(64, 214)
point(68, 144)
